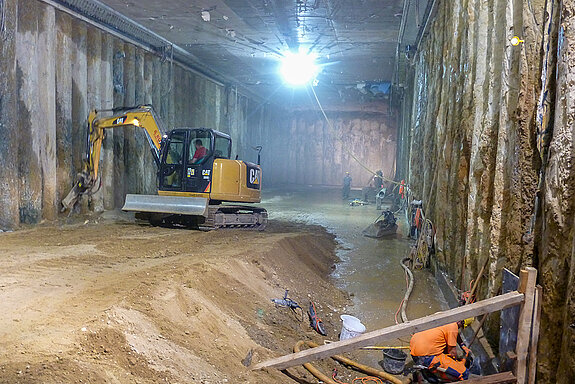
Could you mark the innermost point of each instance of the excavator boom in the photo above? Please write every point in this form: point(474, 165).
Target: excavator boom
point(142, 116)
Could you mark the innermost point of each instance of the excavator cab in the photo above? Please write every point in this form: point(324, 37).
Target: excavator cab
point(187, 159)
point(196, 180)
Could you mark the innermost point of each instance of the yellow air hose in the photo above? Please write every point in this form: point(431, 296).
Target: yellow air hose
point(344, 360)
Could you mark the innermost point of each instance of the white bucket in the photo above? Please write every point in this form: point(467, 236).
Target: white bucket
point(352, 327)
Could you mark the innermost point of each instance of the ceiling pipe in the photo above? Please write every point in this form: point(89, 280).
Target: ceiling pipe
point(430, 12)
point(404, 16)
point(181, 56)
point(64, 6)
point(395, 77)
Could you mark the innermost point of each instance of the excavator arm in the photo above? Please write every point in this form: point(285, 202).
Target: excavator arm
point(144, 116)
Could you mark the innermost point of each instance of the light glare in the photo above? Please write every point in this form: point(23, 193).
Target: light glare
point(298, 68)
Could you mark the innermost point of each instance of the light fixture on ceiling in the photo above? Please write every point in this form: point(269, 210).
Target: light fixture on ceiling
point(298, 68)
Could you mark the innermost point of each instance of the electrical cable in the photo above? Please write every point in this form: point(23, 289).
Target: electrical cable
point(544, 132)
point(418, 254)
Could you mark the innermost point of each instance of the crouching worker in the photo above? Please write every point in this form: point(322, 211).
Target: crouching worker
point(436, 351)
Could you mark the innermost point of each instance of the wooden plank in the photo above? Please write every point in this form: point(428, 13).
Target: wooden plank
point(498, 378)
point(391, 333)
point(511, 355)
point(535, 335)
point(527, 285)
point(523, 278)
point(476, 283)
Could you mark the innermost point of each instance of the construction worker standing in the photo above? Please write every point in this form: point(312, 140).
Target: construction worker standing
point(436, 350)
point(346, 186)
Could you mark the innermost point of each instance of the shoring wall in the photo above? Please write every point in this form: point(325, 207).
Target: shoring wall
point(315, 151)
point(478, 155)
point(54, 70)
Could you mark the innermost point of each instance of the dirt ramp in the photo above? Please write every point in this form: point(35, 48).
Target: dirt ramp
point(139, 304)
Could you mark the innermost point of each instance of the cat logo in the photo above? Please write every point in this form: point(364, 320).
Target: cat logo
point(206, 172)
point(254, 176)
point(119, 120)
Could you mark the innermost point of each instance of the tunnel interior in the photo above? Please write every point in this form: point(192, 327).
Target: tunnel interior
point(465, 106)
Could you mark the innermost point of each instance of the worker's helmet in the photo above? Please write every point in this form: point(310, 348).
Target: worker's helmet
point(467, 322)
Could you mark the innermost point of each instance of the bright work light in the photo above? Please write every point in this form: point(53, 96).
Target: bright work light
point(298, 68)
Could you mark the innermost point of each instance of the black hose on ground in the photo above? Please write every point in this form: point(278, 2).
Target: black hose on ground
point(409, 289)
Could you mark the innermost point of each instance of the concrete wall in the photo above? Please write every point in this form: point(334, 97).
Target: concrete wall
point(312, 151)
point(478, 154)
point(54, 70)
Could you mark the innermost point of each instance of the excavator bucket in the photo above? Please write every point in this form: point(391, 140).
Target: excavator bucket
point(379, 229)
point(177, 205)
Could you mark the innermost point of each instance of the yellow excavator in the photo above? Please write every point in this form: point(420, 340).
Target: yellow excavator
point(197, 179)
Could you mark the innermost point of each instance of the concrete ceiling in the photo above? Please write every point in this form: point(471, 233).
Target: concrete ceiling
point(242, 41)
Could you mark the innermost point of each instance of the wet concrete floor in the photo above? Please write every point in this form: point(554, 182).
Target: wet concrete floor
point(370, 268)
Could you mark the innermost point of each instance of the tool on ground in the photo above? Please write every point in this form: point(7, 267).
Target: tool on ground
point(358, 202)
point(286, 302)
point(196, 173)
point(314, 320)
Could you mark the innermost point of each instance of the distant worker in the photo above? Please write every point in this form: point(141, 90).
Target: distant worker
point(374, 186)
point(380, 190)
point(200, 151)
point(379, 198)
point(346, 186)
point(378, 180)
point(436, 350)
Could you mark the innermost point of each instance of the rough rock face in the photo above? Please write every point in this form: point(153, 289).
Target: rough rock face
point(556, 259)
point(479, 127)
point(54, 70)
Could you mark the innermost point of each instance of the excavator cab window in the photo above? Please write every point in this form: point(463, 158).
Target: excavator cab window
point(200, 146)
point(188, 158)
point(172, 170)
point(222, 147)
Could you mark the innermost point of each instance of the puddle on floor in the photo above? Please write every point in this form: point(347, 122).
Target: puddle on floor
point(370, 268)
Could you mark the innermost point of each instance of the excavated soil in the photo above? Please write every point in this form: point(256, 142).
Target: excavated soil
point(113, 301)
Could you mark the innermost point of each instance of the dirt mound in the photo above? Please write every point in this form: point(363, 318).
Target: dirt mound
point(126, 303)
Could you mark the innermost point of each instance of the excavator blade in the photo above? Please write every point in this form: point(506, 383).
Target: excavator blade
point(177, 205)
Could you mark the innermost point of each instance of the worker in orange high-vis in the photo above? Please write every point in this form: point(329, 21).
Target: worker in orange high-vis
point(436, 350)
